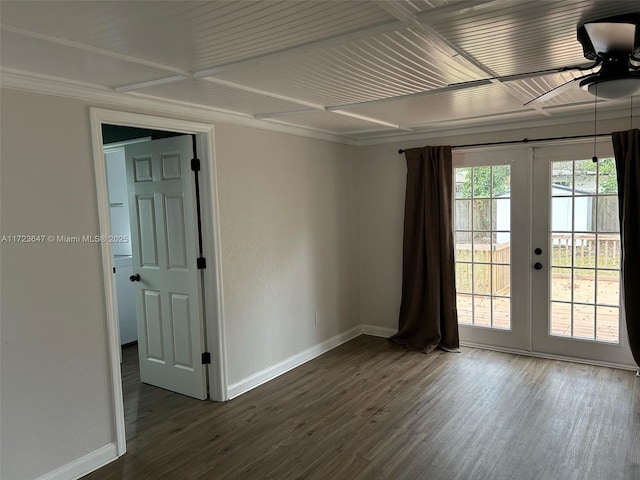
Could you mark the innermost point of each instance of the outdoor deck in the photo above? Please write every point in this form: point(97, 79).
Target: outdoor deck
point(593, 294)
point(589, 322)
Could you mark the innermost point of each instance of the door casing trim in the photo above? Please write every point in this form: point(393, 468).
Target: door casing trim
point(214, 304)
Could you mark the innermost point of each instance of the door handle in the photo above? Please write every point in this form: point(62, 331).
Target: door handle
point(135, 278)
point(537, 266)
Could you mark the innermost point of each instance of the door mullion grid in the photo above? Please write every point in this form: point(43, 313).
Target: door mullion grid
point(491, 246)
point(573, 243)
point(595, 253)
point(473, 260)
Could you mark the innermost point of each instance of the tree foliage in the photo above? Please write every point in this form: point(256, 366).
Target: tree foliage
point(608, 180)
point(486, 181)
point(585, 176)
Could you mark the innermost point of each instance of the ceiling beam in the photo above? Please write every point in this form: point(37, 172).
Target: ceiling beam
point(265, 93)
point(517, 114)
point(287, 113)
point(275, 115)
point(449, 88)
point(151, 83)
point(419, 24)
point(91, 49)
point(366, 119)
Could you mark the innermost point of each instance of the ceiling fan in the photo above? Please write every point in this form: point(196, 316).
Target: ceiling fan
point(613, 44)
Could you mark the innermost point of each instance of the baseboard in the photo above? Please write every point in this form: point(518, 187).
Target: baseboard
point(378, 331)
point(290, 363)
point(549, 356)
point(84, 465)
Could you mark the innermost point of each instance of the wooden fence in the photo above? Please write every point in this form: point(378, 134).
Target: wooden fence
point(496, 278)
point(584, 248)
point(488, 279)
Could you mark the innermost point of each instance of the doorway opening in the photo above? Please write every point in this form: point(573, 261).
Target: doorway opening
point(137, 334)
point(160, 254)
point(115, 139)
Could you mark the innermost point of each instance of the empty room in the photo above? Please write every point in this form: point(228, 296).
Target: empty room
point(317, 239)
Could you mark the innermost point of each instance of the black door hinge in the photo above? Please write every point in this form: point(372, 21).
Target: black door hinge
point(206, 358)
point(201, 263)
point(195, 164)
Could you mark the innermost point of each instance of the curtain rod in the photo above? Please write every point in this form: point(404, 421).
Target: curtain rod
point(524, 140)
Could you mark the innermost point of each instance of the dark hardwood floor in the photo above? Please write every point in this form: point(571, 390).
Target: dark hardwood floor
point(371, 410)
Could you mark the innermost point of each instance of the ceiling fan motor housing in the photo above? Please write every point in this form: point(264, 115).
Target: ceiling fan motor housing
point(611, 37)
point(614, 42)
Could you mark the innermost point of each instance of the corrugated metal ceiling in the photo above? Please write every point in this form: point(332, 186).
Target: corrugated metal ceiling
point(514, 37)
point(193, 35)
point(396, 63)
point(385, 65)
point(475, 102)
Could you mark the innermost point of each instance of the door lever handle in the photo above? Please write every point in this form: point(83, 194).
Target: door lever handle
point(135, 278)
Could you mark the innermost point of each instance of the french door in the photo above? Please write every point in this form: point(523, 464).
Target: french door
point(538, 251)
point(491, 223)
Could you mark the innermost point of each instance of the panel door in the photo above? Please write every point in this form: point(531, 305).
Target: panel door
point(164, 249)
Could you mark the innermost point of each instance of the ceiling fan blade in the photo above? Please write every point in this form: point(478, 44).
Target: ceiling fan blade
point(557, 90)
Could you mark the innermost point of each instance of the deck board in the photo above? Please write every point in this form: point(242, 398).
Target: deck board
point(605, 326)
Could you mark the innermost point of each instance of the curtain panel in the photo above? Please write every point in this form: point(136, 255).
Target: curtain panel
point(626, 147)
point(428, 317)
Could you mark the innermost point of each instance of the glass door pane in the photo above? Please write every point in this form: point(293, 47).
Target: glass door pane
point(490, 208)
point(482, 220)
point(576, 293)
point(585, 246)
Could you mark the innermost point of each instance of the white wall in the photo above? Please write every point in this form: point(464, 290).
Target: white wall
point(55, 404)
point(286, 222)
point(286, 213)
point(380, 188)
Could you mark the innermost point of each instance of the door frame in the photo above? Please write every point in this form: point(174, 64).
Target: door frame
point(531, 151)
point(213, 300)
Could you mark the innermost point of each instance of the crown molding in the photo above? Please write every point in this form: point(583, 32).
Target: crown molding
point(98, 95)
point(502, 125)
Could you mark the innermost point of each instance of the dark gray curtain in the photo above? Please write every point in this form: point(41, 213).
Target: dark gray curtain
point(428, 315)
point(626, 146)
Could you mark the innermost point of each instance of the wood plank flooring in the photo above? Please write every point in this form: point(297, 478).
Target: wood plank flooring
point(372, 410)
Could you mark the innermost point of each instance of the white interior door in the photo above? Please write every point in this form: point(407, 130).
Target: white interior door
point(491, 222)
point(164, 250)
point(576, 290)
